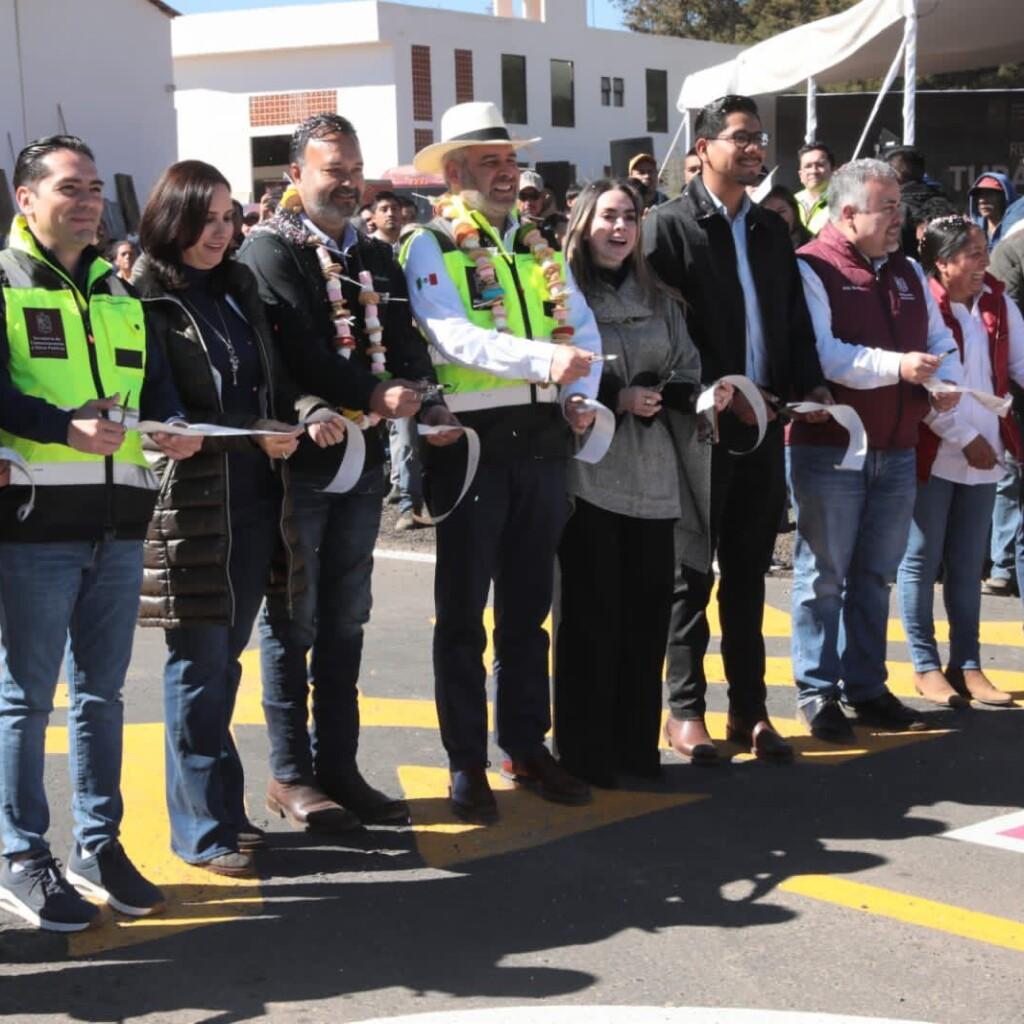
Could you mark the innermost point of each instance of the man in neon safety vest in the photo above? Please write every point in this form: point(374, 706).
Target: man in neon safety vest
point(74, 356)
point(816, 164)
point(514, 344)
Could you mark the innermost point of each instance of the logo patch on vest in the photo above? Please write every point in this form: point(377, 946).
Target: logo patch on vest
point(46, 339)
point(902, 287)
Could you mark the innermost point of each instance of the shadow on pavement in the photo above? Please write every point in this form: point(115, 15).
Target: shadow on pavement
point(367, 916)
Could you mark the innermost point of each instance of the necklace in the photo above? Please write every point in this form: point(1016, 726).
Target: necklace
point(466, 232)
point(225, 338)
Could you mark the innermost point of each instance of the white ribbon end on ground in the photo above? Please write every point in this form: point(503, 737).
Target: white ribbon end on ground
point(846, 416)
point(750, 391)
point(994, 403)
point(20, 465)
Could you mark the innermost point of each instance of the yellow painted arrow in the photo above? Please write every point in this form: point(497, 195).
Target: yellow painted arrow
point(194, 897)
point(525, 820)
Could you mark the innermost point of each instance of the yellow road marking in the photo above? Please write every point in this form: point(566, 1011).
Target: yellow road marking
point(194, 897)
point(943, 917)
point(525, 819)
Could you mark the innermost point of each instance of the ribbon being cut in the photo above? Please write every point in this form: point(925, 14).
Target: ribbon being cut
point(845, 415)
point(344, 479)
point(594, 448)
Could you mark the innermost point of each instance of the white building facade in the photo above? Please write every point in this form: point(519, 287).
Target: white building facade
point(100, 69)
point(245, 78)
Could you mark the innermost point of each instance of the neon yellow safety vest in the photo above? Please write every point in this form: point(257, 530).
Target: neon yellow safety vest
point(813, 212)
point(528, 309)
point(68, 348)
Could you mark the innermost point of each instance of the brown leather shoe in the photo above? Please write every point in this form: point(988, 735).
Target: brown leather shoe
point(306, 806)
point(934, 687)
point(690, 739)
point(973, 684)
point(761, 739)
point(546, 777)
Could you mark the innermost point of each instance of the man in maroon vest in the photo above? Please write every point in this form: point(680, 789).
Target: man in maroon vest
point(879, 336)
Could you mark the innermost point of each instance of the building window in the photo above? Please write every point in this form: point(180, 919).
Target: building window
point(513, 88)
point(563, 94)
point(657, 100)
point(606, 92)
point(618, 92)
point(463, 76)
point(422, 104)
point(421, 138)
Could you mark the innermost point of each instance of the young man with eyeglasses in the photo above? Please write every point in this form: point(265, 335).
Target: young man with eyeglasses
point(733, 263)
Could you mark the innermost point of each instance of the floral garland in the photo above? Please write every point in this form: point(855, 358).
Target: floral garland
point(341, 315)
point(466, 233)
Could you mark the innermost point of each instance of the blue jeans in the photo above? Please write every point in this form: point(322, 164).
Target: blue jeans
point(82, 597)
point(205, 783)
point(336, 536)
point(406, 470)
point(1005, 551)
point(851, 533)
point(948, 530)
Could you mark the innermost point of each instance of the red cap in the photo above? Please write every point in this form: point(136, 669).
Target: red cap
point(987, 182)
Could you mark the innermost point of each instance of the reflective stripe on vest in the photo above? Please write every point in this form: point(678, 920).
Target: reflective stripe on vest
point(527, 308)
point(52, 351)
point(73, 474)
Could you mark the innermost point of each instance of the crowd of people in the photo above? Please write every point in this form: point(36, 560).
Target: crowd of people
point(643, 383)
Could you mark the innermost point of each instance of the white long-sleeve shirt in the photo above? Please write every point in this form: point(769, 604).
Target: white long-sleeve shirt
point(861, 366)
point(970, 418)
point(439, 311)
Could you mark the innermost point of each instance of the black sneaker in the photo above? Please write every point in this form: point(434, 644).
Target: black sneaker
point(888, 712)
point(41, 895)
point(825, 720)
point(109, 875)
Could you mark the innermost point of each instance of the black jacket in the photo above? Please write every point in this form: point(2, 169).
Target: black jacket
point(291, 285)
point(188, 545)
point(690, 246)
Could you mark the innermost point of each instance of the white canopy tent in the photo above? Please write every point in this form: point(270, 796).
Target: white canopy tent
point(873, 38)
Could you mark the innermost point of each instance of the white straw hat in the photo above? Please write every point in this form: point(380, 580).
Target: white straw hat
point(467, 124)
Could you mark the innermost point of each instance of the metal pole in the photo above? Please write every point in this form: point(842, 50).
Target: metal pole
point(811, 129)
point(890, 77)
point(910, 73)
point(684, 131)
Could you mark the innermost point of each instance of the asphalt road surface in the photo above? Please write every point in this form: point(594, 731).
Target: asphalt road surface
point(829, 887)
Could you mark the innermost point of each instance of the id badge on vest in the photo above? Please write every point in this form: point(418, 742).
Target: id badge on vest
point(46, 337)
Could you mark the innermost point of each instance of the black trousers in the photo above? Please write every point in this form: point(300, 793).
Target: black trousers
point(505, 531)
point(748, 493)
point(612, 610)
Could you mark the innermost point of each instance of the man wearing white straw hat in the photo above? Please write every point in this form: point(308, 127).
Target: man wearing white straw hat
point(514, 344)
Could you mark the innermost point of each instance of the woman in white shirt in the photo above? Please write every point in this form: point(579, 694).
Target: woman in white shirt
point(960, 460)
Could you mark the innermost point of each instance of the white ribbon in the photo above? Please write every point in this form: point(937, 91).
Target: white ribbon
point(594, 448)
point(210, 430)
point(351, 468)
point(846, 416)
point(19, 464)
point(348, 474)
point(602, 433)
point(750, 391)
point(472, 460)
point(1000, 406)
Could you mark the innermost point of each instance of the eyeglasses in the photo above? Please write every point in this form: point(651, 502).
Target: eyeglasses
point(741, 140)
point(529, 196)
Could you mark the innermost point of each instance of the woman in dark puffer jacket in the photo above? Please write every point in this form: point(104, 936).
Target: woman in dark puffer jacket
point(219, 522)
